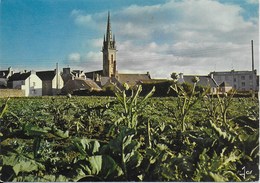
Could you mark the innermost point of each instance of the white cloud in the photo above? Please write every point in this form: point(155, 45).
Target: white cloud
point(83, 19)
point(187, 57)
point(194, 37)
point(88, 62)
point(74, 57)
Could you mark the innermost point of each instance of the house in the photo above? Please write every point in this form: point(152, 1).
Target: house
point(224, 87)
point(52, 82)
point(239, 80)
point(162, 87)
point(4, 75)
point(27, 81)
point(132, 79)
point(204, 81)
point(80, 84)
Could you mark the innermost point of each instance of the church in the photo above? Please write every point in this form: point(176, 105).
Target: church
point(110, 74)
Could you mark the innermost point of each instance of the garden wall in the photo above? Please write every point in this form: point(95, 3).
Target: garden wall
point(11, 93)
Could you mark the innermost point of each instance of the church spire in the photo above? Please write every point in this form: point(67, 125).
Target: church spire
point(109, 51)
point(109, 32)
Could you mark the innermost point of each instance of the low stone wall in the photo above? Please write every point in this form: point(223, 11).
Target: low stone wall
point(12, 93)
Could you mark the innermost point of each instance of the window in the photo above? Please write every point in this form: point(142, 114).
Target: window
point(235, 86)
point(34, 84)
point(226, 77)
point(235, 79)
point(250, 77)
point(243, 84)
point(243, 77)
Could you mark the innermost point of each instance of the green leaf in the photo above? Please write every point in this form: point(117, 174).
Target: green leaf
point(33, 130)
point(134, 160)
point(102, 166)
point(95, 164)
point(61, 133)
point(87, 146)
point(216, 177)
point(27, 166)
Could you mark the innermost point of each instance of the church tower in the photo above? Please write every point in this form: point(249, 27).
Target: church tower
point(109, 52)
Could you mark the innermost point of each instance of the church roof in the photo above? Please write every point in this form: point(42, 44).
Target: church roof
point(80, 84)
point(46, 75)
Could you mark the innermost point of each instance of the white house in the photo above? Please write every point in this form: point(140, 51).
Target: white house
point(27, 81)
point(239, 80)
point(52, 82)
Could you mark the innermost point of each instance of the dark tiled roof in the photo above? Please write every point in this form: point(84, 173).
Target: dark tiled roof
point(132, 79)
point(152, 81)
point(4, 73)
point(80, 84)
point(204, 80)
point(19, 76)
point(92, 74)
point(46, 75)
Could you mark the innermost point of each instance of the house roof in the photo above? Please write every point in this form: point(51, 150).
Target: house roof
point(4, 73)
point(221, 73)
point(19, 76)
point(46, 75)
point(203, 80)
point(132, 79)
point(153, 81)
point(80, 84)
point(93, 73)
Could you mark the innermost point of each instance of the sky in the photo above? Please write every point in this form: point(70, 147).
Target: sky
point(194, 37)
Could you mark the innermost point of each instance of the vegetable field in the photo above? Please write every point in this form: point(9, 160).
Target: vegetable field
point(193, 137)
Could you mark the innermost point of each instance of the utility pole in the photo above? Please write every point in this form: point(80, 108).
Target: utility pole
point(252, 48)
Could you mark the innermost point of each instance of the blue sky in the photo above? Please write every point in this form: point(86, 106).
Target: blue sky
point(159, 36)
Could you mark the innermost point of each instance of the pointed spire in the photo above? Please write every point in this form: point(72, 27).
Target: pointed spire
point(109, 32)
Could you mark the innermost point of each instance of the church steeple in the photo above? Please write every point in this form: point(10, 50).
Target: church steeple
point(109, 32)
point(109, 51)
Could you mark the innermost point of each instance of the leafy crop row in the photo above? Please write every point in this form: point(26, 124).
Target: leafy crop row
point(194, 137)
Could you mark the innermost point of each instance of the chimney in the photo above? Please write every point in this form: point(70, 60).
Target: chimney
point(181, 75)
point(66, 70)
point(10, 71)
